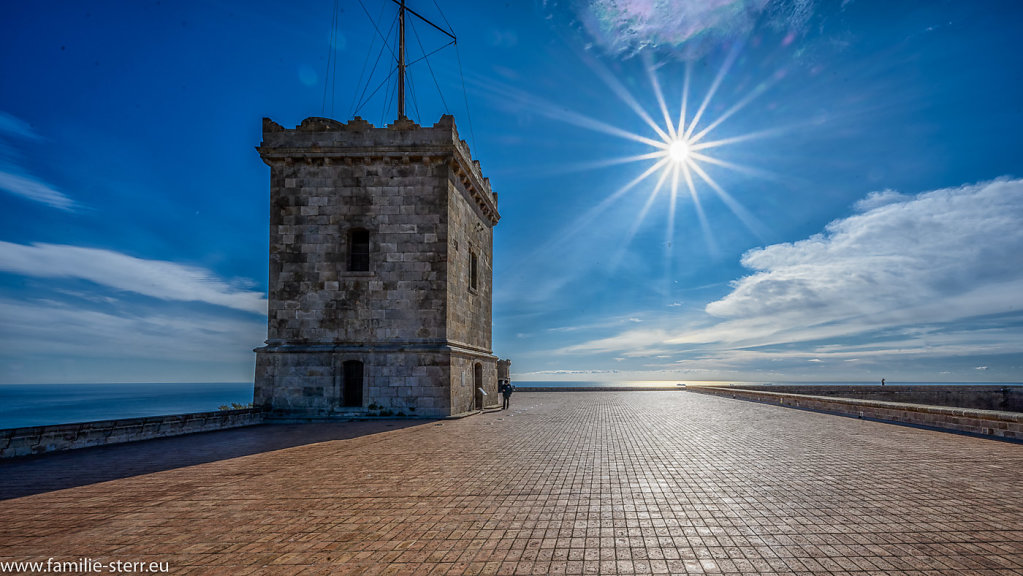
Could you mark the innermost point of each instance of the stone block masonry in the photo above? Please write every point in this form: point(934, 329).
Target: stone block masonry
point(381, 269)
point(999, 397)
point(998, 424)
point(60, 437)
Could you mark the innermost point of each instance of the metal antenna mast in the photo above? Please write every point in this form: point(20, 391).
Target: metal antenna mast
point(401, 59)
point(401, 50)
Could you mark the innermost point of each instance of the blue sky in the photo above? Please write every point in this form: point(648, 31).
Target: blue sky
point(854, 212)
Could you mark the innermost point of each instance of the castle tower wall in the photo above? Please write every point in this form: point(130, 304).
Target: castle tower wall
point(381, 258)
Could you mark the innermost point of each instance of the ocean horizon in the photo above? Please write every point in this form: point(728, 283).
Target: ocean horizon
point(640, 384)
point(47, 404)
point(23, 405)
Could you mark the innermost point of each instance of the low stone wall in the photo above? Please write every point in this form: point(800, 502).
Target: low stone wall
point(977, 396)
point(596, 388)
point(1000, 424)
point(42, 439)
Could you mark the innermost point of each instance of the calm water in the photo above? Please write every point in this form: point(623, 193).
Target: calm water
point(41, 404)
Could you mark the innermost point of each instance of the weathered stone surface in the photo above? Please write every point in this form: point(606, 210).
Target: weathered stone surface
point(971, 420)
point(57, 438)
point(414, 319)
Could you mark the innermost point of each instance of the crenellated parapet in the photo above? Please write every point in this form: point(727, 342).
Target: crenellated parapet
point(323, 141)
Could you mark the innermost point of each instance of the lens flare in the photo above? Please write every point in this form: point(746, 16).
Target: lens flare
point(679, 151)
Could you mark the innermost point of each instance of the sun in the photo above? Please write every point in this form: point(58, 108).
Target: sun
point(681, 156)
point(682, 151)
point(678, 151)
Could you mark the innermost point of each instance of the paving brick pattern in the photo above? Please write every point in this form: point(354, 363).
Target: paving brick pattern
point(563, 483)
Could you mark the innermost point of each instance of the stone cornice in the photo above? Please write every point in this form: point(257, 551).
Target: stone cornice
point(285, 347)
point(478, 188)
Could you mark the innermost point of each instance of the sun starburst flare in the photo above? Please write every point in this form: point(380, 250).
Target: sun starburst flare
point(681, 147)
point(681, 150)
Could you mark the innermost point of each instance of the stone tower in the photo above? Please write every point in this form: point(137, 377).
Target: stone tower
point(381, 268)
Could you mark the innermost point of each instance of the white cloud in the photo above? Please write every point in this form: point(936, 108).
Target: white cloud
point(631, 342)
point(942, 256)
point(154, 278)
point(934, 275)
point(34, 189)
point(878, 199)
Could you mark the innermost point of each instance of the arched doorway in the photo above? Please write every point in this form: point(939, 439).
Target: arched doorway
point(351, 386)
point(477, 391)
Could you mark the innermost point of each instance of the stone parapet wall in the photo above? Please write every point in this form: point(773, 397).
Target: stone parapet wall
point(977, 396)
point(598, 389)
point(319, 140)
point(1008, 425)
point(42, 439)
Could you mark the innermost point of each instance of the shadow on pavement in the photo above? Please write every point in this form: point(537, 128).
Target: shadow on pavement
point(29, 475)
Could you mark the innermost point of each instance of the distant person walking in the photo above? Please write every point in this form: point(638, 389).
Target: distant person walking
point(882, 381)
point(506, 392)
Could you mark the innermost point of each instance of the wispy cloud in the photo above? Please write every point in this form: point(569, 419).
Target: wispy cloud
point(56, 341)
point(32, 188)
point(688, 27)
point(15, 179)
point(931, 275)
point(14, 126)
point(154, 278)
point(62, 329)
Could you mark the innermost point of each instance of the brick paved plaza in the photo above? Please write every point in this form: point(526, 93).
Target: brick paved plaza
point(564, 483)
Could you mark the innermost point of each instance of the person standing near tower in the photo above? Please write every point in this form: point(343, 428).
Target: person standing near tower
point(506, 392)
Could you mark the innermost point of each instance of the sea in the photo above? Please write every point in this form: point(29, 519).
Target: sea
point(46, 404)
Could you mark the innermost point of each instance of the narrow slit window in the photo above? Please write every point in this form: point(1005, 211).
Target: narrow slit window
point(474, 265)
point(358, 253)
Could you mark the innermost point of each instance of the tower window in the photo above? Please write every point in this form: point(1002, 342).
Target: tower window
point(474, 266)
point(358, 250)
